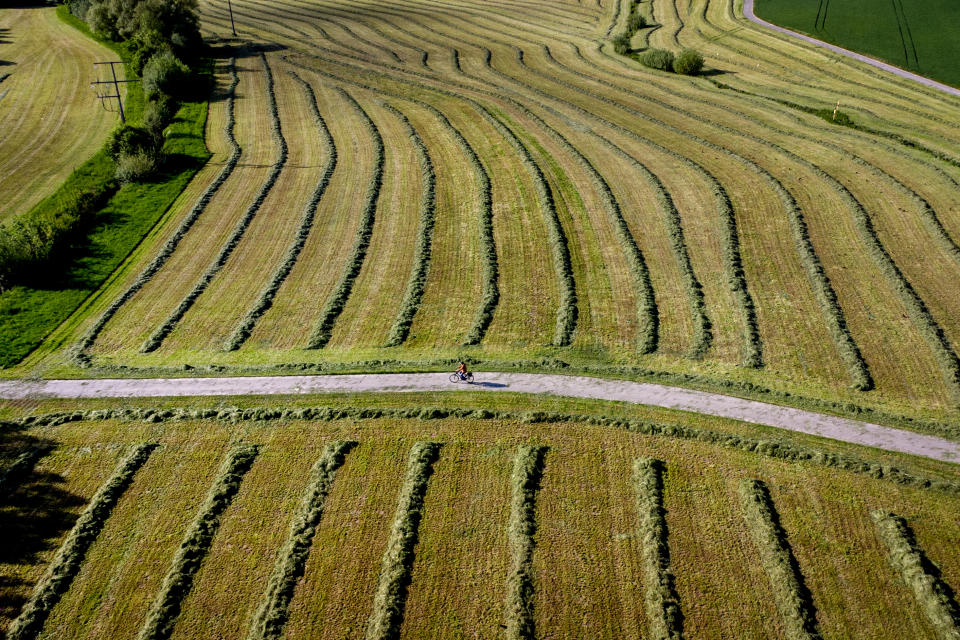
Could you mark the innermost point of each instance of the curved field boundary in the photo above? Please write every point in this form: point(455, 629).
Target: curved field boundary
point(752, 17)
point(714, 404)
point(86, 342)
point(907, 557)
point(66, 563)
point(291, 561)
point(265, 301)
point(338, 298)
point(524, 485)
point(417, 281)
point(790, 593)
point(156, 339)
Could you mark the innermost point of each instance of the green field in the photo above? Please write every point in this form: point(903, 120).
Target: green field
point(917, 36)
point(591, 538)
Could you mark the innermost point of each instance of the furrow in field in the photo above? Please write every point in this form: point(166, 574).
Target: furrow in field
point(338, 297)
point(156, 339)
point(264, 302)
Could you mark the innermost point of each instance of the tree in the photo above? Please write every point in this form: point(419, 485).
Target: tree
point(689, 62)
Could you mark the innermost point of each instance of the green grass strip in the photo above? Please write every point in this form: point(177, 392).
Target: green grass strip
point(417, 281)
point(165, 609)
point(660, 595)
point(341, 292)
point(265, 301)
point(524, 485)
point(156, 339)
point(65, 565)
point(391, 596)
point(934, 596)
point(275, 609)
point(790, 593)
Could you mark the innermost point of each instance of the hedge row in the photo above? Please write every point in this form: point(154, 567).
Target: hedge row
point(165, 609)
point(265, 301)
point(66, 563)
point(86, 342)
point(524, 485)
point(921, 576)
point(768, 448)
point(274, 610)
point(702, 333)
point(662, 600)
point(156, 339)
point(647, 315)
point(490, 297)
point(335, 303)
point(790, 593)
point(417, 280)
point(391, 596)
point(21, 466)
point(733, 264)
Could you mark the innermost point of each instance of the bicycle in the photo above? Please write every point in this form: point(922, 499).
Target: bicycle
point(455, 378)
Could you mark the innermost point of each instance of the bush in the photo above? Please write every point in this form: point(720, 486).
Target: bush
point(127, 140)
point(165, 73)
point(621, 44)
point(157, 114)
point(657, 59)
point(133, 167)
point(689, 62)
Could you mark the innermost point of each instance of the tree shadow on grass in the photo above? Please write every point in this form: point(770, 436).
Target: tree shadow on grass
point(36, 511)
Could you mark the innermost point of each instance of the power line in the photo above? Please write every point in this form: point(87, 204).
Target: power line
point(116, 87)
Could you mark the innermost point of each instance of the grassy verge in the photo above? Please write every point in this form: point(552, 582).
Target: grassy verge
point(29, 313)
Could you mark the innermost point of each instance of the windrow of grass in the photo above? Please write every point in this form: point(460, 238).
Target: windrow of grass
point(156, 338)
point(11, 474)
point(265, 301)
point(524, 484)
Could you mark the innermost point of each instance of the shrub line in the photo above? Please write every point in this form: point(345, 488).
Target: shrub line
point(422, 252)
point(265, 301)
point(662, 601)
point(66, 563)
point(86, 342)
point(338, 298)
point(274, 609)
point(790, 593)
point(769, 448)
point(156, 339)
point(934, 596)
point(397, 565)
point(178, 582)
point(524, 485)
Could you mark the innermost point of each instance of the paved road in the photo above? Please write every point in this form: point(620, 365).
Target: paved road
point(750, 15)
point(581, 387)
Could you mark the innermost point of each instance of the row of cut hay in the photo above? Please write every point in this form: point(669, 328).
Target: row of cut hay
point(178, 582)
point(272, 614)
point(265, 300)
point(156, 339)
point(417, 280)
point(908, 559)
point(90, 336)
point(65, 565)
point(391, 595)
point(791, 595)
point(647, 314)
point(338, 298)
point(20, 467)
point(524, 484)
point(660, 594)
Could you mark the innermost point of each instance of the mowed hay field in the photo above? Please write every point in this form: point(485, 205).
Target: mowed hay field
point(342, 522)
point(50, 120)
point(418, 182)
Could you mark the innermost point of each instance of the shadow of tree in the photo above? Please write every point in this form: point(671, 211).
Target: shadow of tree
point(35, 511)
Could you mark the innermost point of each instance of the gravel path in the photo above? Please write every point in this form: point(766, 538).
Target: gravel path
point(712, 404)
point(750, 15)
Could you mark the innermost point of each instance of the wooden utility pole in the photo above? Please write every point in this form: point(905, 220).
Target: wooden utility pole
point(116, 87)
point(232, 26)
point(835, 109)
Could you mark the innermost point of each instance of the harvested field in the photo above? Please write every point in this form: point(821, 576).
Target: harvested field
point(547, 527)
